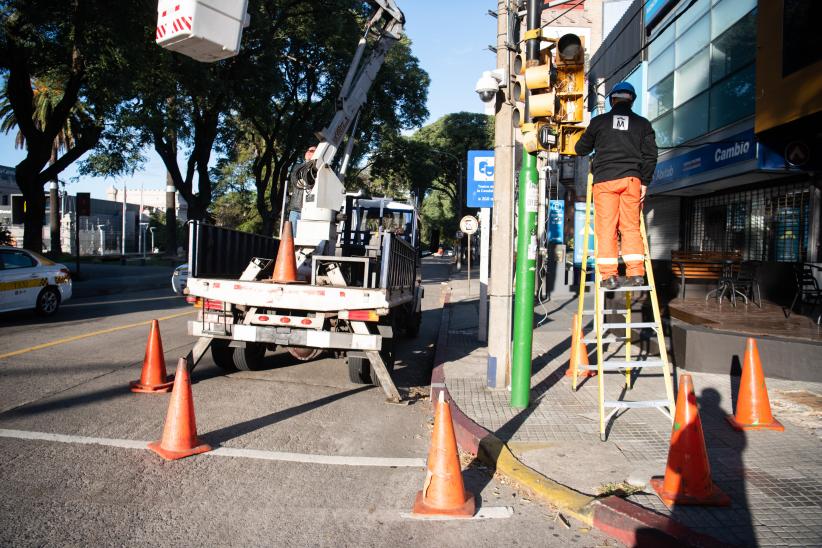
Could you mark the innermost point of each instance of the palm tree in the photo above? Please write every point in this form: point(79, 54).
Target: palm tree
point(45, 99)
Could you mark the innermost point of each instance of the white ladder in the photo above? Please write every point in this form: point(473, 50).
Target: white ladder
point(609, 408)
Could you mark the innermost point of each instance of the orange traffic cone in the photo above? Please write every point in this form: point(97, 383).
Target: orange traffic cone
point(688, 473)
point(579, 354)
point(153, 377)
point(180, 430)
point(285, 267)
point(753, 410)
point(443, 493)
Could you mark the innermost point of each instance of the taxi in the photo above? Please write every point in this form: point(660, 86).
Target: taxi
point(30, 281)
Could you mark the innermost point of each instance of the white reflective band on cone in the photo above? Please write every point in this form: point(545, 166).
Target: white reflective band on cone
point(633, 257)
point(608, 260)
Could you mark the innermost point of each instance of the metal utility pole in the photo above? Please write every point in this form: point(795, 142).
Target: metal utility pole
point(502, 226)
point(123, 246)
point(526, 239)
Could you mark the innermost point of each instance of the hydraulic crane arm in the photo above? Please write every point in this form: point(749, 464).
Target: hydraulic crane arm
point(385, 27)
point(323, 190)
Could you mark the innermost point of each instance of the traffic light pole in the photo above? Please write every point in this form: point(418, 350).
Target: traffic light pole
point(526, 240)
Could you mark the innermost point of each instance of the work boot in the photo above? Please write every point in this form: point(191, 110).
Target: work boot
point(611, 283)
point(636, 281)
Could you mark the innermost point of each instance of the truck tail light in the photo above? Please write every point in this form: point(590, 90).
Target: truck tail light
point(360, 315)
point(209, 304)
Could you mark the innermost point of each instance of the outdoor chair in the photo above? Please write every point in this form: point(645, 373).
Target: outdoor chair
point(747, 281)
point(807, 288)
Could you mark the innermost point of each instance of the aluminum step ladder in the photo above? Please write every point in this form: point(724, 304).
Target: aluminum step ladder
point(619, 331)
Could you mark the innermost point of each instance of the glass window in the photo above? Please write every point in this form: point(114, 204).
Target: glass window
point(661, 42)
point(4, 200)
point(16, 259)
point(733, 98)
point(800, 42)
point(693, 40)
point(661, 67)
point(691, 78)
point(661, 98)
point(691, 119)
point(727, 12)
point(664, 129)
point(734, 49)
point(691, 14)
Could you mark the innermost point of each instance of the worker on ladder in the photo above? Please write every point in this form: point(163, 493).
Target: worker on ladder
point(624, 163)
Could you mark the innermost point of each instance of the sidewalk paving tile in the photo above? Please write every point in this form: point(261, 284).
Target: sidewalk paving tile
point(771, 477)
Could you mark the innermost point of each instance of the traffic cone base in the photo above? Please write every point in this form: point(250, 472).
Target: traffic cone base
point(137, 386)
point(174, 455)
point(775, 425)
point(716, 498)
point(465, 511)
point(153, 378)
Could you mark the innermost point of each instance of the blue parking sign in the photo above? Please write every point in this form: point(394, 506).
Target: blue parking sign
point(480, 174)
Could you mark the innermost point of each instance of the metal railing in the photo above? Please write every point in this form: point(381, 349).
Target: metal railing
point(398, 270)
point(218, 252)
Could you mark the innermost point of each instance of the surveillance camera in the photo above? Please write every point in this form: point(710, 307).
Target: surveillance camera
point(488, 85)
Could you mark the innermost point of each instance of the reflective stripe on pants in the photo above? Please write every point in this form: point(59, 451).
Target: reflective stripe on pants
point(617, 208)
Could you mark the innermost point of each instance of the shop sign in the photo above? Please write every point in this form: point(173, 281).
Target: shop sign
point(737, 148)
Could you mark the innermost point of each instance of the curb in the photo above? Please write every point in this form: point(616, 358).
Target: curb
point(623, 520)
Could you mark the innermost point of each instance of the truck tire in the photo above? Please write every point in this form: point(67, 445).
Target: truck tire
point(222, 354)
point(249, 358)
point(358, 369)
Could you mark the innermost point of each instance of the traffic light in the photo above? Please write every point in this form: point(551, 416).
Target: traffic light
point(539, 79)
point(570, 88)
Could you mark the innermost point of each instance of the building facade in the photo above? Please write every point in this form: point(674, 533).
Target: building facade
point(721, 183)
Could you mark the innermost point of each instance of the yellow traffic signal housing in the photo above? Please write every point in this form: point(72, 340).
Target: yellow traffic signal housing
point(539, 136)
point(570, 84)
point(568, 137)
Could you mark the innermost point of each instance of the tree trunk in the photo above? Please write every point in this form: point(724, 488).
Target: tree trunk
point(35, 206)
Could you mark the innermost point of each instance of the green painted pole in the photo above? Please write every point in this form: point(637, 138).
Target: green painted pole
point(526, 278)
point(526, 241)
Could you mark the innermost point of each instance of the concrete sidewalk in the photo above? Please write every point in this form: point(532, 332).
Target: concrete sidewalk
point(773, 478)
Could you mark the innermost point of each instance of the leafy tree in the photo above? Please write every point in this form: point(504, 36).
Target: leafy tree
point(311, 57)
point(430, 164)
point(83, 49)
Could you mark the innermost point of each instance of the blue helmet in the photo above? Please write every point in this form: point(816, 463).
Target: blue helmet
point(623, 87)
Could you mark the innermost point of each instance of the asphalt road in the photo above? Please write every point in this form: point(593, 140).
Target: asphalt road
point(69, 376)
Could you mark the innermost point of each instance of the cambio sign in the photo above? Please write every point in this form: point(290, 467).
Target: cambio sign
point(480, 178)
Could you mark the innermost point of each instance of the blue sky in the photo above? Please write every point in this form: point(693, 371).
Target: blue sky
point(450, 38)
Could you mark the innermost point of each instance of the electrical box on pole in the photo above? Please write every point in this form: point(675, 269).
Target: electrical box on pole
point(205, 30)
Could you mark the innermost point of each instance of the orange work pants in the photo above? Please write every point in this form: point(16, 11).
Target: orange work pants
point(617, 207)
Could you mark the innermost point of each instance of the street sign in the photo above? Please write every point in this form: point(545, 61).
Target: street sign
point(469, 224)
point(459, 235)
point(480, 174)
point(556, 221)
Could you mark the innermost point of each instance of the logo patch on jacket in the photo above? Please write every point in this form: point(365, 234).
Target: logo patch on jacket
point(621, 122)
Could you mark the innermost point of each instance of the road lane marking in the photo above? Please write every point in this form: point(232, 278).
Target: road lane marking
point(304, 458)
point(87, 335)
point(126, 301)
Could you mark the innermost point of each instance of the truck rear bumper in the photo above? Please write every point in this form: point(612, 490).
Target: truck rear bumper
point(285, 336)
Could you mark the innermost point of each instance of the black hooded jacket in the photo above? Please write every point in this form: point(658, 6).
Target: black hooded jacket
point(625, 145)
